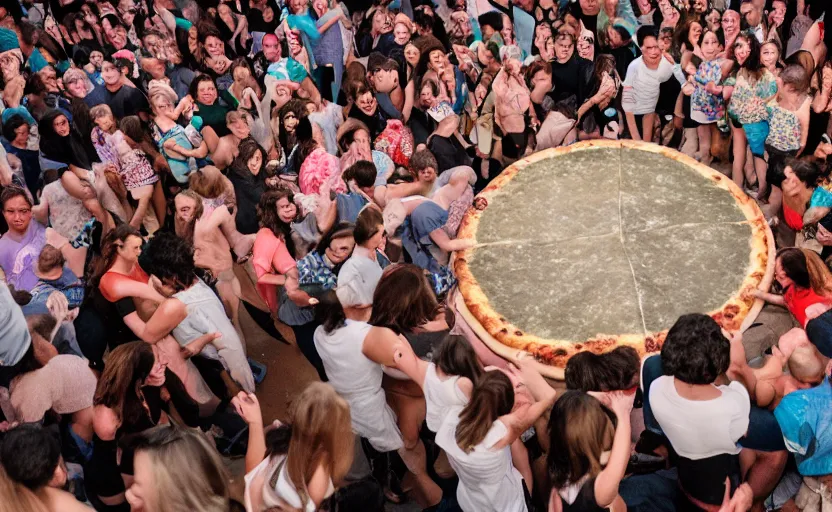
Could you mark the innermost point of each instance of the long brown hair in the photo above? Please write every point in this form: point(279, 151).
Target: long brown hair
point(580, 430)
point(267, 216)
point(806, 269)
point(321, 435)
point(403, 299)
point(493, 396)
point(110, 244)
point(118, 387)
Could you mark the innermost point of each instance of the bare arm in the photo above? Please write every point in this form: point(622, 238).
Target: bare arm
point(409, 95)
point(296, 295)
point(771, 298)
point(444, 242)
point(166, 317)
point(312, 90)
point(607, 481)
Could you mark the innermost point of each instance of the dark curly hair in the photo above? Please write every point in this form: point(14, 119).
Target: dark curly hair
point(171, 259)
point(695, 350)
point(267, 216)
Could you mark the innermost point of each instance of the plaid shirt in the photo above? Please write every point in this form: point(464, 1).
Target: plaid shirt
point(313, 269)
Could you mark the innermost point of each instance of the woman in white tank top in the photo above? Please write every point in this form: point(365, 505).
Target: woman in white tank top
point(276, 463)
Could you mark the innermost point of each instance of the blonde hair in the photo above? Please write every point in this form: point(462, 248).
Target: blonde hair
point(188, 474)
point(103, 110)
point(321, 435)
point(807, 365)
point(14, 497)
point(163, 91)
point(819, 274)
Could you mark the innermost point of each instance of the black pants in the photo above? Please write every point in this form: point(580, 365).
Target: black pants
point(305, 338)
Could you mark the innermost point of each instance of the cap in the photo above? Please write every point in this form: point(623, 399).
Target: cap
point(19, 111)
point(8, 40)
point(357, 281)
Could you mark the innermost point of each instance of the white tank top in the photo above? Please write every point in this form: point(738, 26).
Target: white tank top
point(440, 396)
point(358, 379)
point(270, 483)
point(488, 481)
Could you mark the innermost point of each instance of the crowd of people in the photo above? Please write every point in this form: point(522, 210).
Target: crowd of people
point(170, 167)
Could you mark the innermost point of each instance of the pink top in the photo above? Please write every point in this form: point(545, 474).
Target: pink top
point(318, 168)
point(65, 385)
point(270, 255)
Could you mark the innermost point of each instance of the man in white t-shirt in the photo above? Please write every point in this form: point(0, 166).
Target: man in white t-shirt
point(645, 75)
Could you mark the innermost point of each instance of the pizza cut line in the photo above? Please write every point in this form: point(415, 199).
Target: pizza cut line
point(497, 328)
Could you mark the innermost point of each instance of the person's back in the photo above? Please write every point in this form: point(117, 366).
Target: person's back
point(487, 478)
point(358, 379)
point(206, 314)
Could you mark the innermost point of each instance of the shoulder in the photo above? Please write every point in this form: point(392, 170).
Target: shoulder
point(105, 422)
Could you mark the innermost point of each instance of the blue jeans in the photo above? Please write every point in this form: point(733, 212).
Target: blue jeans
point(763, 430)
point(819, 331)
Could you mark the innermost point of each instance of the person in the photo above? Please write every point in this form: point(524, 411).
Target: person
point(512, 105)
point(707, 102)
point(123, 99)
point(708, 424)
point(317, 273)
point(16, 132)
point(478, 436)
point(58, 383)
point(42, 471)
point(642, 85)
point(805, 204)
point(344, 343)
point(176, 468)
point(581, 429)
point(807, 293)
point(172, 138)
point(61, 144)
point(747, 93)
point(248, 176)
point(298, 464)
point(21, 245)
point(170, 262)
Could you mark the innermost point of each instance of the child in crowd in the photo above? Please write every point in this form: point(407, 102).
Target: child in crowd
point(707, 102)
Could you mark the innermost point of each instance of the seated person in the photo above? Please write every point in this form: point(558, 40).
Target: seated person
point(768, 385)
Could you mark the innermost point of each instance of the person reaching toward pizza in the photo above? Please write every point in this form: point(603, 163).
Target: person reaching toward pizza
point(807, 293)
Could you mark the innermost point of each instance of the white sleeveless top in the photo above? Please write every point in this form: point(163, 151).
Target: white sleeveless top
point(440, 396)
point(358, 379)
point(488, 481)
point(277, 490)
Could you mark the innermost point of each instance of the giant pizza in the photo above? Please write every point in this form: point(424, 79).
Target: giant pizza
point(607, 243)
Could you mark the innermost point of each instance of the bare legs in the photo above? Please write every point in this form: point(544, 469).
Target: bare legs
point(739, 146)
point(704, 134)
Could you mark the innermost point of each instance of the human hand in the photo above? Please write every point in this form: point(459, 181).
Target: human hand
point(823, 151)
point(690, 69)
point(741, 500)
point(524, 371)
point(711, 88)
point(619, 402)
point(248, 407)
point(823, 235)
point(58, 306)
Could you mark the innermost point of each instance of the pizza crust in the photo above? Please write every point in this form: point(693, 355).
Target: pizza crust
point(506, 339)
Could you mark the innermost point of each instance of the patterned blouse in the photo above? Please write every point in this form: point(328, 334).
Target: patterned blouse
point(747, 103)
point(707, 107)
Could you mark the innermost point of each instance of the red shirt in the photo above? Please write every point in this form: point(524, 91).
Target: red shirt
point(798, 299)
point(110, 278)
